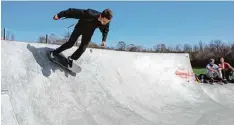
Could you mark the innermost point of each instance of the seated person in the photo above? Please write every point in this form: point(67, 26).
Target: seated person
point(226, 69)
point(213, 71)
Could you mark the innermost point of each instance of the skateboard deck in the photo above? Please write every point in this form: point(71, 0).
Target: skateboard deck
point(62, 61)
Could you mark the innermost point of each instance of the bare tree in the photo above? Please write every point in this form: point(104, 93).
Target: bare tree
point(215, 47)
point(232, 52)
point(161, 48)
point(225, 50)
point(195, 48)
point(132, 48)
point(232, 49)
point(187, 48)
point(201, 46)
point(93, 45)
point(170, 49)
point(121, 46)
point(178, 48)
point(110, 48)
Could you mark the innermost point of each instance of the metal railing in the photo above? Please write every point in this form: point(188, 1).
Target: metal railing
point(59, 36)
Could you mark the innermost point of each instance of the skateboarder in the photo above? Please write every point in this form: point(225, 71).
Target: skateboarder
point(89, 20)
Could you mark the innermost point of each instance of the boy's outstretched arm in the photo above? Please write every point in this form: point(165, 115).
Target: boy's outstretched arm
point(71, 13)
point(104, 29)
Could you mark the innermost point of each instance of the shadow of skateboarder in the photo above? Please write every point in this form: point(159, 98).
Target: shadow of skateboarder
point(41, 57)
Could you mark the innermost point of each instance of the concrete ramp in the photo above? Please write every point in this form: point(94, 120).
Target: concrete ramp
point(8, 116)
point(113, 88)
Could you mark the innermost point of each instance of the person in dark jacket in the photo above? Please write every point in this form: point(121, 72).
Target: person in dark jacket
point(89, 20)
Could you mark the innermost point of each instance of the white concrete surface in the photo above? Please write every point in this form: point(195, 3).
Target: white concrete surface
point(8, 116)
point(114, 88)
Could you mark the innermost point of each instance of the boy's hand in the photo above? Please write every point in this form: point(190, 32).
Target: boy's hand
point(55, 17)
point(103, 44)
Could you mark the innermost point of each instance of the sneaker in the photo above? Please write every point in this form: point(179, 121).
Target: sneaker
point(212, 81)
point(70, 61)
point(225, 81)
point(221, 83)
point(51, 54)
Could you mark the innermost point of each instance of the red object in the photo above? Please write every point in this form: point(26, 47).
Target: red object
point(226, 66)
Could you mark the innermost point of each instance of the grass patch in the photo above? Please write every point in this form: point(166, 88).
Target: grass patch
point(198, 71)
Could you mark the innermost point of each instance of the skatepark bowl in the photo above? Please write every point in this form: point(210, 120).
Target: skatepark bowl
point(113, 88)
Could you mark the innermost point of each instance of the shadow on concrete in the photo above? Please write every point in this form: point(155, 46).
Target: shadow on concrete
point(41, 57)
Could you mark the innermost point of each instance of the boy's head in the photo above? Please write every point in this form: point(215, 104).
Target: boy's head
point(105, 16)
point(212, 61)
point(221, 59)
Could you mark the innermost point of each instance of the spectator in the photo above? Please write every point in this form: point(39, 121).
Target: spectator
point(226, 69)
point(213, 72)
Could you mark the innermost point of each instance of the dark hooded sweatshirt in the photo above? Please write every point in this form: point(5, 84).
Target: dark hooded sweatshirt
point(88, 21)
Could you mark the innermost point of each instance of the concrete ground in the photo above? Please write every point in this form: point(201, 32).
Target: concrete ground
point(113, 88)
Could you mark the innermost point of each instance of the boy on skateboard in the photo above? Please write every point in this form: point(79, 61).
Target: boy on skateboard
point(89, 20)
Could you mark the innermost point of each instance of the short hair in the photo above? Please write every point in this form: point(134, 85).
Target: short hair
point(221, 58)
point(211, 60)
point(107, 13)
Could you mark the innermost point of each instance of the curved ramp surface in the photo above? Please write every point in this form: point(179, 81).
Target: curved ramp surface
point(8, 116)
point(113, 88)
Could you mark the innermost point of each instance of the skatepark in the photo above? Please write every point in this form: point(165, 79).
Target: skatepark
point(113, 88)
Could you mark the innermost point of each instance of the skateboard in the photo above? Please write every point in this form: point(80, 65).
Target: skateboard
point(61, 60)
